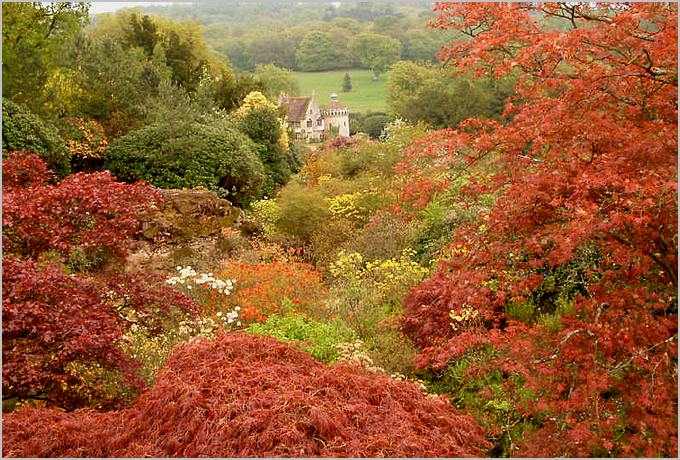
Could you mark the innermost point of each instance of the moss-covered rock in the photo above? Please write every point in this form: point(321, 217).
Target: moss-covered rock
point(187, 214)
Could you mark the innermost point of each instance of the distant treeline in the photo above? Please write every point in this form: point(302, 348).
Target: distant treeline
point(312, 36)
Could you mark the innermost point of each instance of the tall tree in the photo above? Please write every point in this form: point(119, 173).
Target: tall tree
point(375, 52)
point(318, 51)
point(571, 278)
point(422, 92)
point(35, 39)
point(346, 83)
point(114, 83)
point(276, 80)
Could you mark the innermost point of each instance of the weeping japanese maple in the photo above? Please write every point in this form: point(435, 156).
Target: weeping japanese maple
point(583, 232)
point(253, 396)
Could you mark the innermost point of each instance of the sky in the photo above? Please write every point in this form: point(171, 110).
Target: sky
point(107, 7)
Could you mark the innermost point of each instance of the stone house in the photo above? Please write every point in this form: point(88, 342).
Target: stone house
point(312, 123)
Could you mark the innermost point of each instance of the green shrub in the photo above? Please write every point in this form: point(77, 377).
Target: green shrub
point(189, 155)
point(319, 339)
point(371, 123)
point(368, 296)
point(23, 130)
point(384, 237)
point(521, 311)
point(262, 125)
point(302, 210)
point(328, 239)
point(495, 397)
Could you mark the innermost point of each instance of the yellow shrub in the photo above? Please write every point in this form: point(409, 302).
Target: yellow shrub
point(346, 206)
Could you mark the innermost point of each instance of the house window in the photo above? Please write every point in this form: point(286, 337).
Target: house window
point(319, 122)
point(309, 123)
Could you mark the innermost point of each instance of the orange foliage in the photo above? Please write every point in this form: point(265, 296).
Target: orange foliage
point(261, 288)
point(88, 138)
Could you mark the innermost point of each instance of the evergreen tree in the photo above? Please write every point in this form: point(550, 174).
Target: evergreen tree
point(346, 84)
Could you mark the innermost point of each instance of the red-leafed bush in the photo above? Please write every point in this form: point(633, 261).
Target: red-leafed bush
point(62, 334)
point(243, 395)
point(23, 169)
point(90, 215)
point(146, 299)
point(50, 320)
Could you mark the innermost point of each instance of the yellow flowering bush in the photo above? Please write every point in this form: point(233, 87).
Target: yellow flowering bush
point(100, 388)
point(403, 271)
point(267, 213)
point(385, 276)
point(346, 206)
point(254, 100)
point(347, 266)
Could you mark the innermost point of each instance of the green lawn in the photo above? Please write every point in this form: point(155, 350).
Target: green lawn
point(366, 94)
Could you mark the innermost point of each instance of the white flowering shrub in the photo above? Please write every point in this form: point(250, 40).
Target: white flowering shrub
point(217, 315)
point(188, 275)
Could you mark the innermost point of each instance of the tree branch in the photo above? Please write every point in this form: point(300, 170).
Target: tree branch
point(627, 362)
point(564, 340)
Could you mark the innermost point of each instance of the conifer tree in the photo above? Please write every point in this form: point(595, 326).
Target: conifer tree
point(346, 84)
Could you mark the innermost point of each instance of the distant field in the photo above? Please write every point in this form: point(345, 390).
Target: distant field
point(366, 94)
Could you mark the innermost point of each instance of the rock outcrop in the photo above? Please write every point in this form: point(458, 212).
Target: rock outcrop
point(187, 214)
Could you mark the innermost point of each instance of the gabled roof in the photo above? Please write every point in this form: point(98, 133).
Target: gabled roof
point(296, 107)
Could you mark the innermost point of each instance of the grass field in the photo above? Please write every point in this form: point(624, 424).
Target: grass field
point(366, 94)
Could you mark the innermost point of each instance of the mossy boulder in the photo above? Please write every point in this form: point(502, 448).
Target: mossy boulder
point(187, 214)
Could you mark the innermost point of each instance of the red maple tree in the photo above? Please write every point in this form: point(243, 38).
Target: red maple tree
point(91, 214)
point(586, 185)
point(242, 395)
point(51, 319)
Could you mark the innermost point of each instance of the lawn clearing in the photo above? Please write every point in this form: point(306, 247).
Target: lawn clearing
point(366, 94)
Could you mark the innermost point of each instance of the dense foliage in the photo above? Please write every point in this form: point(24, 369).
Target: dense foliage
point(63, 346)
point(273, 32)
point(421, 92)
point(371, 123)
point(36, 38)
point(521, 261)
point(242, 395)
point(318, 51)
point(84, 219)
point(59, 323)
point(259, 119)
point(572, 275)
point(23, 130)
point(262, 288)
point(375, 52)
point(23, 169)
point(189, 155)
point(322, 340)
point(39, 340)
